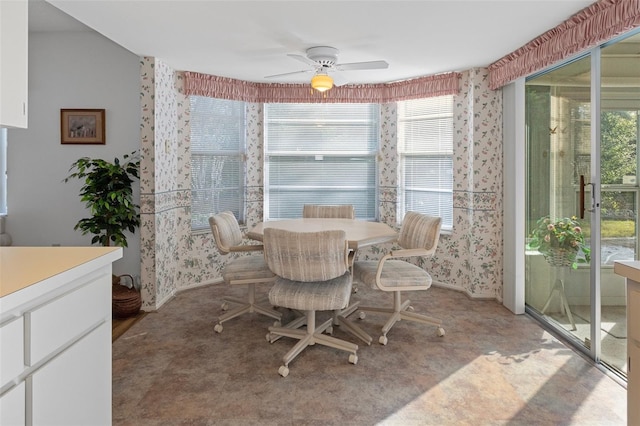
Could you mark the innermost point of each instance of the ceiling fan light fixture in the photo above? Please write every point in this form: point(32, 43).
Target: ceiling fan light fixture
point(322, 82)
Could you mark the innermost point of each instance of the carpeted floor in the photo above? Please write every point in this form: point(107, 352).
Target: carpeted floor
point(491, 368)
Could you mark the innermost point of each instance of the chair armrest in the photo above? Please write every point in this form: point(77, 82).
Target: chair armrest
point(410, 252)
point(419, 252)
point(247, 247)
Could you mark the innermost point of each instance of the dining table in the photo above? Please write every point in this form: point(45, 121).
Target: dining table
point(359, 233)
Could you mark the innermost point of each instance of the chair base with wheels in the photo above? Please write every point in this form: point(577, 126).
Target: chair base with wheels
point(401, 311)
point(310, 336)
point(248, 271)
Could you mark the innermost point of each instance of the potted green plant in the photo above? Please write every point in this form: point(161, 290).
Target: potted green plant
point(560, 241)
point(108, 194)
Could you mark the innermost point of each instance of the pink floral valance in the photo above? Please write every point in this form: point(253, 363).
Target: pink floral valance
point(591, 26)
point(228, 88)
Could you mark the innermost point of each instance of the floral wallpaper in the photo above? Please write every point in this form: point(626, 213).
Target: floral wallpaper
point(468, 259)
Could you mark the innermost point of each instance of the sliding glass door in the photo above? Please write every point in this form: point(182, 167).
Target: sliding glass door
point(582, 196)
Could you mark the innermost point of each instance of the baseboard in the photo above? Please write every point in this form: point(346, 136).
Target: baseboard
point(198, 285)
point(440, 284)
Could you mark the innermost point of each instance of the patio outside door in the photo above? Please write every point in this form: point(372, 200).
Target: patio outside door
point(582, 132)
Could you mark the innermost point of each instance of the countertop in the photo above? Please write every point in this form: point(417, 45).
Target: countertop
point(21, 267)
point(628, 269)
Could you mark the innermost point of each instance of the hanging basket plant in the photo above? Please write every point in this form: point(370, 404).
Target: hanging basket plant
point(560, 241)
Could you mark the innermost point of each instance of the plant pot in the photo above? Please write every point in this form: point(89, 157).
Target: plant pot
point(561, 257)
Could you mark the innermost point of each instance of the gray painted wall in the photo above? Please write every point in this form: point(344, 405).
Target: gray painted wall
point(69, 70)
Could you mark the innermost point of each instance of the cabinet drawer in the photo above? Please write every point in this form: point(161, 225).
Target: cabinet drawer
point(66, 318)
point(75, 387)
point(12, 407)
point(11, 350)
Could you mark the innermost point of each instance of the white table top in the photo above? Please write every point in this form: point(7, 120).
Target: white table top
point(359, 233)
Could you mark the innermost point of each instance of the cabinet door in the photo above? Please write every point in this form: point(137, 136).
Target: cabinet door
point(633, 384)
point(11, 350)
point(12, 407)
point(75, 387)
point(13, 63)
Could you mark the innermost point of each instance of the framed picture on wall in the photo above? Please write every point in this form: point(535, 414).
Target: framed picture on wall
point(82, 126)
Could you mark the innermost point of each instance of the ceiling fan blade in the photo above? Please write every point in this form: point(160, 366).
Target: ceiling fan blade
point(371, 65)
point(303, 59)
point(288, 73)
point(338, 79)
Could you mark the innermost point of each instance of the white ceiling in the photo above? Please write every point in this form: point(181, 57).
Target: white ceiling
point(248, 40)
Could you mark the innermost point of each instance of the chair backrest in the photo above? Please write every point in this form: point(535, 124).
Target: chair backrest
point(306, 256)
point(226, 231)
point(342, 211)
point(419, 231)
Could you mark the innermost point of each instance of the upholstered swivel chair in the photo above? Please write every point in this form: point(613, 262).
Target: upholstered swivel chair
point(312, 275)
point(418, 237)
point(244, 270)
point(341, 211)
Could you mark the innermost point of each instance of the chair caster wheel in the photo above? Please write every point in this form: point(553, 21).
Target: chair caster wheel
point(218, 328)
point(269, 337)
point(383, 340)
point(283, 371)
point(225, 306)
point(277, 323)
point(329, 331)
point(410, 309)
point(440, 331)
point(353, 359)
point(362, 315)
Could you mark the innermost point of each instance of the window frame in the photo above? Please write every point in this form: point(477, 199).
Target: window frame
point(369, 154)
point(404, 154)
point(238, 155)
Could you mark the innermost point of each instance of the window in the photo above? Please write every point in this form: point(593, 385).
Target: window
point(3, 171)
point(320, 154)
point(217, 153)
point(425, 145)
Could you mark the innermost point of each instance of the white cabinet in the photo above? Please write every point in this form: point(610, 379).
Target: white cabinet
point(631, 271)
point(633, 352)
point(55, 335)
point(13, 63)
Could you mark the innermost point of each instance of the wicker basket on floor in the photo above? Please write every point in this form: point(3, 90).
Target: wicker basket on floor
point(125, 301)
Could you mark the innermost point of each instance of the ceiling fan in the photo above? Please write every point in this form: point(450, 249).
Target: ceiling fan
point(322, 61)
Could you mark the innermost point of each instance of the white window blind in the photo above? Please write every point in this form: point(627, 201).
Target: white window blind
point(320, 154)
point(425, 143)
point(217, 152)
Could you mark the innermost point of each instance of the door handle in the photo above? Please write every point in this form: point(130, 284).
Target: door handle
point(581, 197)
point(582, 209)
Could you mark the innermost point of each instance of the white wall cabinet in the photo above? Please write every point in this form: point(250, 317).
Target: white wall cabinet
point(55, 335)
point(14, 46)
